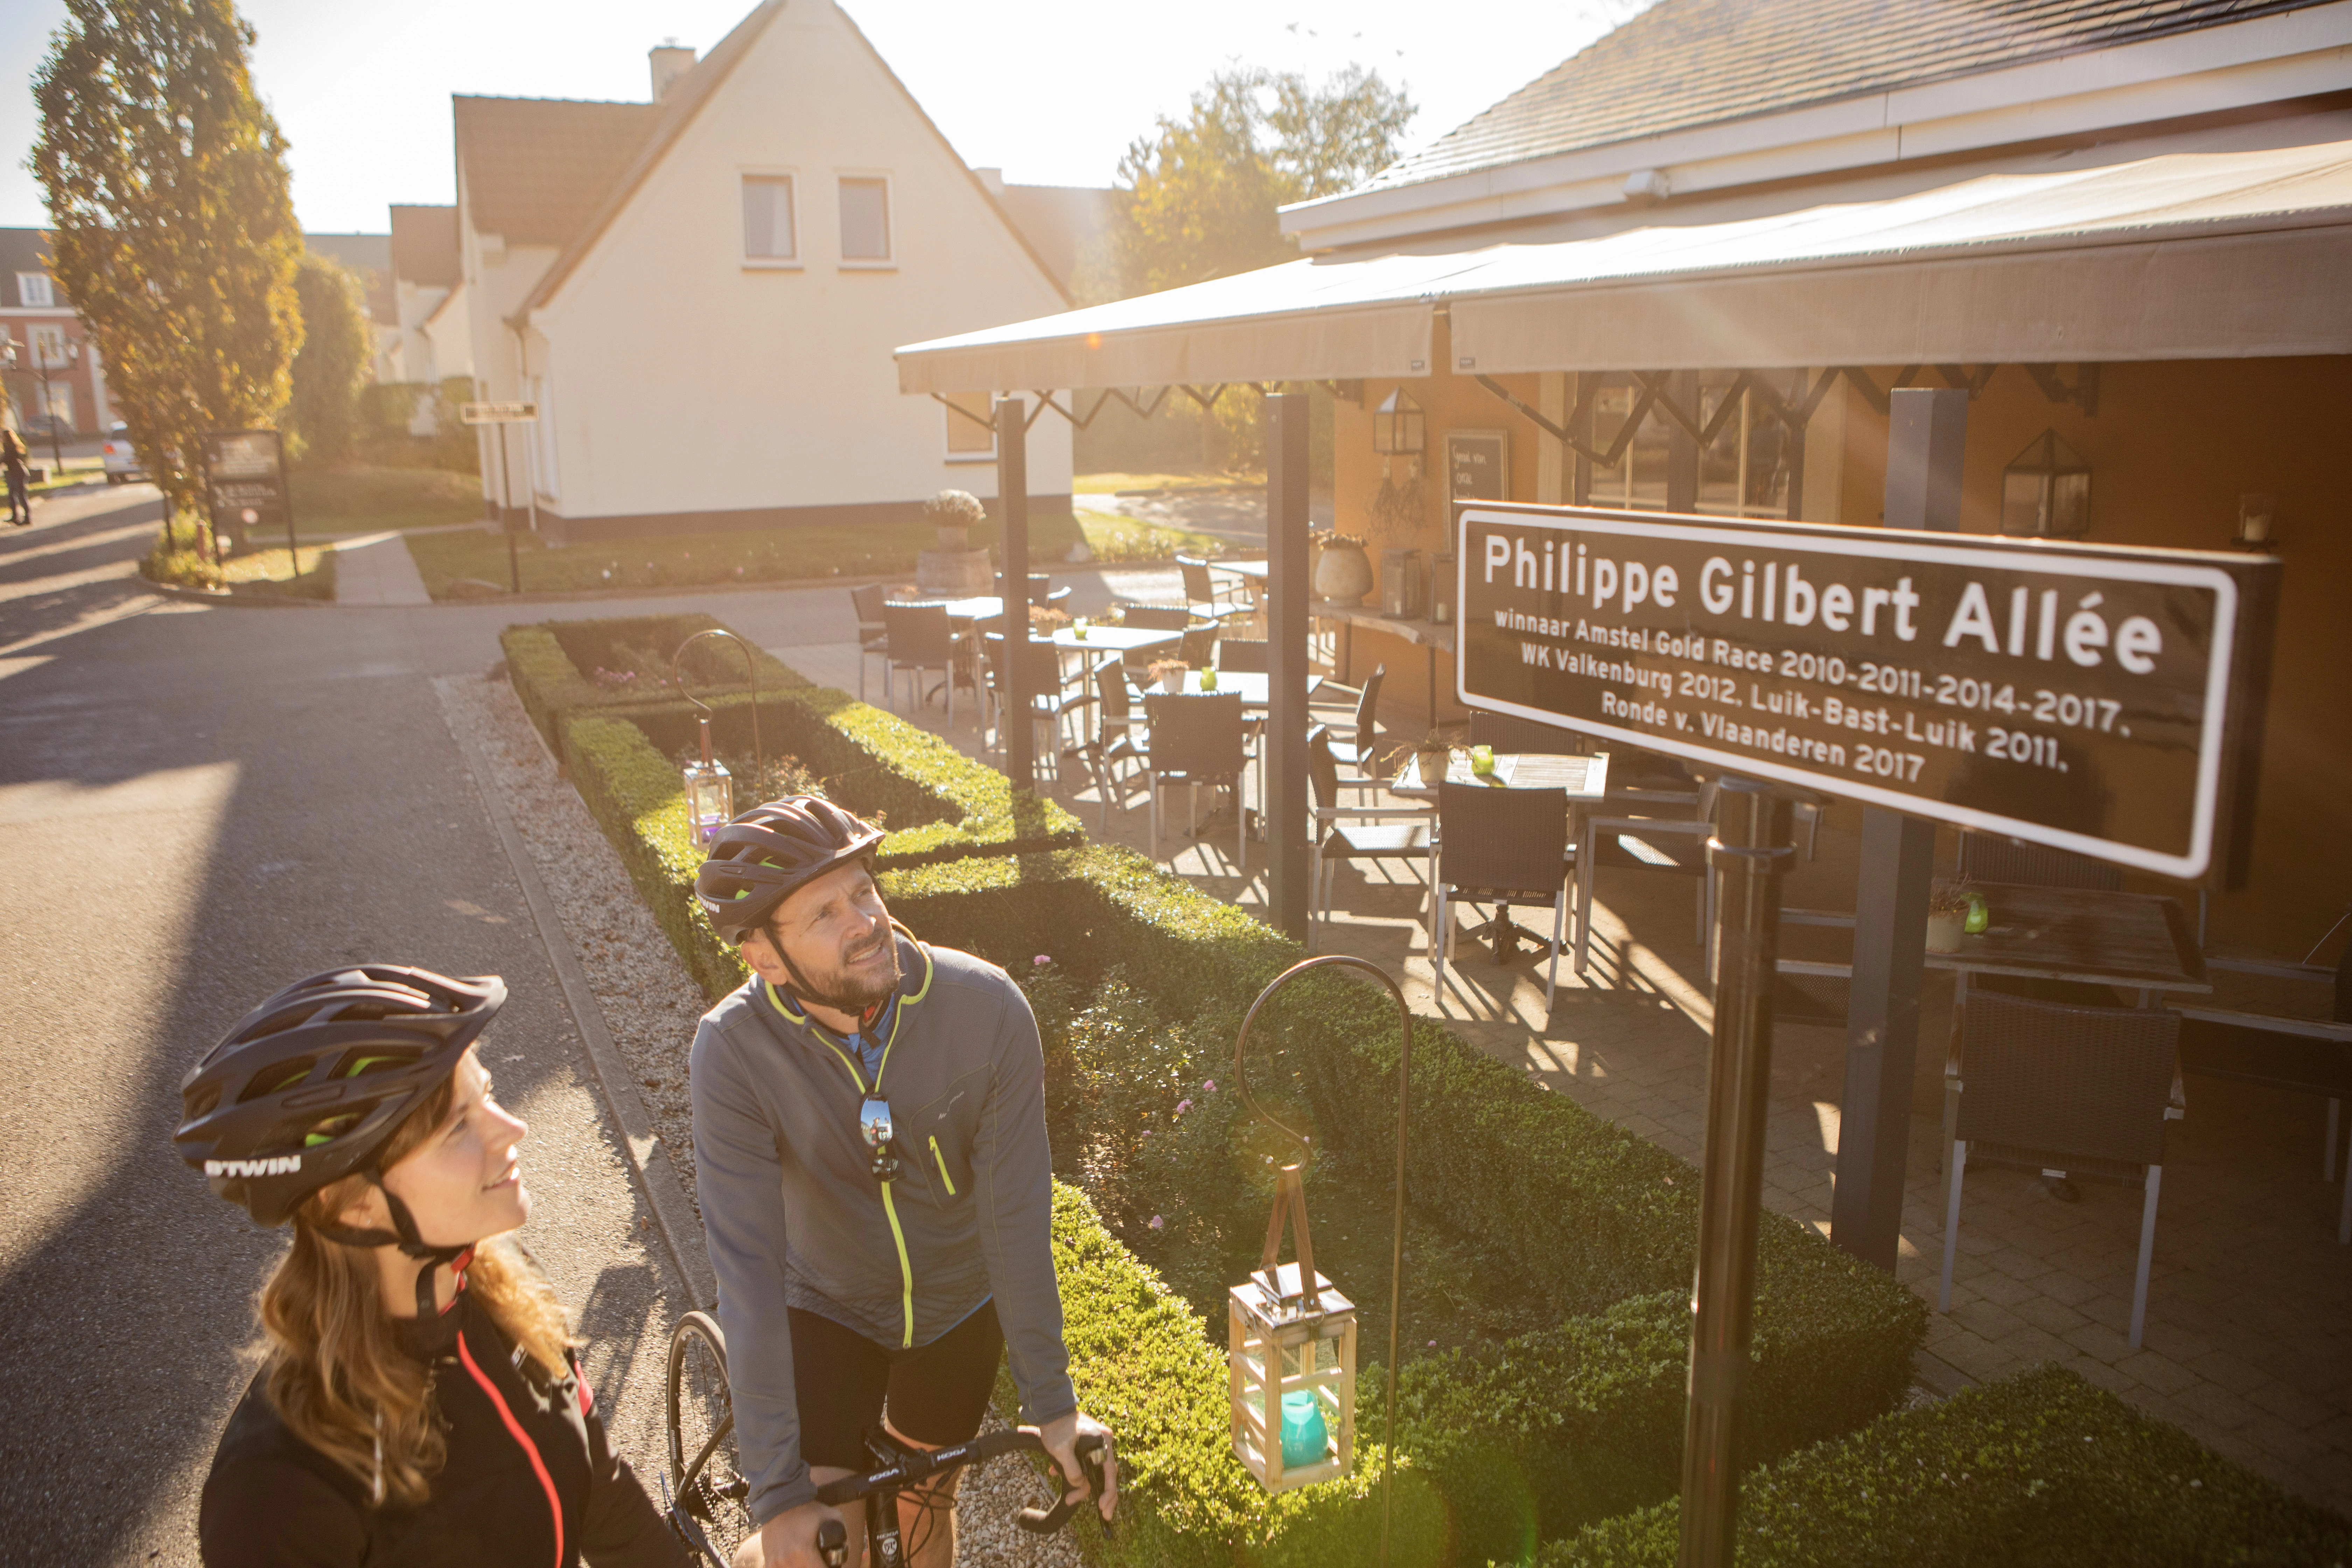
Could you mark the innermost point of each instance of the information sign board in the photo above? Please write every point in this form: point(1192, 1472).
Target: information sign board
point(498, 413)
point(245, 481)
point(2096, 699)
point(1477, 465)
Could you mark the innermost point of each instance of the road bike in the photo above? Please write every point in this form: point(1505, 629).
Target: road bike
point(708, 1496)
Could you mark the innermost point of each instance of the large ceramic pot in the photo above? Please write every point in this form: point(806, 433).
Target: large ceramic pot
point(1343, 575)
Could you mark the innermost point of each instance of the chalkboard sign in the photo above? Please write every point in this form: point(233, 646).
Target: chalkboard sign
point(2092, 697)
point(1478, 465)
point(245, 483)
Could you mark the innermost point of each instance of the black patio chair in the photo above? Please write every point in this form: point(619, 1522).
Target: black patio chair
point(873, 634)
point(1358, 755)
point(2074, 1093)
point(1242, 655)
point(1526, 737)
point(1200, 591)
point(1985, 857)
point(1196, 740)
point(1660, 830)
point(1049, 705)
point(1119, 734)
point(922, 639)
point(1155, 618)
point(1500, 847)
point(1356, 832)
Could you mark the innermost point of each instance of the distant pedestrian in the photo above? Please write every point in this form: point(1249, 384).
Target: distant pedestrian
point(12, 456)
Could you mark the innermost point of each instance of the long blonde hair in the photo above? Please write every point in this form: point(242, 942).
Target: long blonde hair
point(338, 1377)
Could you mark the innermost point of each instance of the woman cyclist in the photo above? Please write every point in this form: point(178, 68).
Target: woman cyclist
point(421, 1401)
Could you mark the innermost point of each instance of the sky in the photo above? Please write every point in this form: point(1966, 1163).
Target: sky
point(1051, 91)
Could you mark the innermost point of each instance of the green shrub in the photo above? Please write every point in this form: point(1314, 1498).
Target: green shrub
point(2042, 1467)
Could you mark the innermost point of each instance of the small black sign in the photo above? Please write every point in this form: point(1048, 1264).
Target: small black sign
point(244, 480)
point(2069, 695)
point(1477, 465)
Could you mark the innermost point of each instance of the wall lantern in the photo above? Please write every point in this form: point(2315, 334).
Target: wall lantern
point(710, 787)
point(1399, 429)
point(2045, 492)
point(2257, 523)
point(1292, 1357)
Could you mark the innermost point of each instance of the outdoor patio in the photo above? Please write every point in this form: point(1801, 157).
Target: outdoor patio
point(2246, 1344)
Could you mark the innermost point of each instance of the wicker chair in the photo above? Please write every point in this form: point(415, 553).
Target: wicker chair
point(2077, 1093)
point(921, 639)
point(873, 634)
point(1358, 755)
point(1155, 618)
point(1673, 843)
point(1120, 736)
point(1499, 846)
point(1049, 705)
point(1507, 733)
point(1241, 655)
point(1985, 859)
point(1355, 832)
point(1201, 590)
point(1196, 740)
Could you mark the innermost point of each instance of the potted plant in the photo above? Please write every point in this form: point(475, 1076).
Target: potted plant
point(1433, 754)
point(952, 513)
point(1948, 918)
point(1169, 673)
point(1343, 572)
point(1046, 619)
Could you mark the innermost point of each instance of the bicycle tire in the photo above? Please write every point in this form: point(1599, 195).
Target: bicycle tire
point(708, 1489)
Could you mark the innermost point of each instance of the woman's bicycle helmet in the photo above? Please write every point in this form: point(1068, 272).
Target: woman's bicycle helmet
point(757, 860)
point(307, 1086)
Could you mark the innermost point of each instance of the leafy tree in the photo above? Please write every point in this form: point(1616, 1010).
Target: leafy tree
point(333, 360)
point(171, 222)
point(1199, 196)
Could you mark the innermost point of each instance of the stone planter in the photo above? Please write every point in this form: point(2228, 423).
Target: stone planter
point(1343, 575)
point(958, 574)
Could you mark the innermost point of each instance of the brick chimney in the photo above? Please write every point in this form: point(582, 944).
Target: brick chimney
point(670, 60)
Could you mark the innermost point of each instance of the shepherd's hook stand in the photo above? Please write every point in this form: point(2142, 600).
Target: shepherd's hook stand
point(1396, 1247)
point(752, 678)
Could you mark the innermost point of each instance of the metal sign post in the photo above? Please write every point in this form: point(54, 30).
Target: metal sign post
point(2099, 700)
point(503, 414)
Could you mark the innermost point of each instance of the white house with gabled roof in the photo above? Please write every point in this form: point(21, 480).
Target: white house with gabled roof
point(701, 293)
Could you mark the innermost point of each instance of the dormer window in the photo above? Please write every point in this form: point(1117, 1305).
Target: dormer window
point(34, 292)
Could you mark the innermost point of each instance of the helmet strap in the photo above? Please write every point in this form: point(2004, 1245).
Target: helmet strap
point(798, 984)
point(408, 1240)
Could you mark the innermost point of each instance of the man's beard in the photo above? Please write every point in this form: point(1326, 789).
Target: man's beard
point(852, 985)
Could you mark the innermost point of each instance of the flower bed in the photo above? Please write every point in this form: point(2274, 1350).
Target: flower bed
point(560, 667)
point(2042, 1467)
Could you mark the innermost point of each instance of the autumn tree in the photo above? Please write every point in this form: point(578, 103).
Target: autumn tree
point(333, 361)
point(171, 222)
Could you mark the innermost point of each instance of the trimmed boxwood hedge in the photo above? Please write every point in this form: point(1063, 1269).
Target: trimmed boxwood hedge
point(2042, 1467)
point(1544, 1433)
point(550, 664)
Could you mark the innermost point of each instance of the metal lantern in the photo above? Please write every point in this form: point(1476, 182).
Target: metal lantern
point(2046, 491)
point(1292, 1358)
point(710, 787)
point(1398, 428)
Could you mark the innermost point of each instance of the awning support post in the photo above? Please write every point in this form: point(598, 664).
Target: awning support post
point(1927, 436)
point(1013, 721)
point(1288, 631)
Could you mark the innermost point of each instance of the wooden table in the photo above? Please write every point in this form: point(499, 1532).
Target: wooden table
point(2134, 941)
point(1586, 779)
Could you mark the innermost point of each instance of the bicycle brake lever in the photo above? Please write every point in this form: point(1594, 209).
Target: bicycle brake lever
point(833, 1543)
point(1045, 1522)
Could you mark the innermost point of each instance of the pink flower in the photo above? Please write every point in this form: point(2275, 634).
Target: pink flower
point(1156, 1223)
point(1182, 1106)
point(1210, 1086)
point(1146, 1133)
point(1043, 959)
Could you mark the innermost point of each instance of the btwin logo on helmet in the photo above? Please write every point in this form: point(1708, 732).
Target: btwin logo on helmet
point(275, 1166)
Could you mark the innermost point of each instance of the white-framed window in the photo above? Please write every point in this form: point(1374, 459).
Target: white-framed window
point(771, 221)
point(34, 292)
point(1743, 472)
point(49, 345)
point(972, 433)
point(57, 397)
point(865, 220)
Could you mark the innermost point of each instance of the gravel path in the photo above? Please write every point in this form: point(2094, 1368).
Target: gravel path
point(651, 1006)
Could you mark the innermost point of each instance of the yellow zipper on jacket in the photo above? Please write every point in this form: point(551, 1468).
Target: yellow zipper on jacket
point(942, 1159)
point(905, 1269)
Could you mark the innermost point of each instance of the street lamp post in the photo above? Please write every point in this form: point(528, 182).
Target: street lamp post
point(46, 363)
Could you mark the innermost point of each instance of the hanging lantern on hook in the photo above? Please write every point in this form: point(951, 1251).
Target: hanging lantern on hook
point(1399, 430)
point(1292, 1352)
point(710, 787)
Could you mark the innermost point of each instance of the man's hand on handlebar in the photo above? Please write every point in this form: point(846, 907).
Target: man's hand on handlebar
point(787, 1541)
point(1060, 1436)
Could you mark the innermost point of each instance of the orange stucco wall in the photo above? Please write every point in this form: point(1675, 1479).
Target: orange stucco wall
point(2171, 447)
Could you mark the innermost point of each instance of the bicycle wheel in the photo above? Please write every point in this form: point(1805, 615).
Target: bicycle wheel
point(708, 1486)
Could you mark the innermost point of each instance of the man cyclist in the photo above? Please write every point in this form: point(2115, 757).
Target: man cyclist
point(869, 1140)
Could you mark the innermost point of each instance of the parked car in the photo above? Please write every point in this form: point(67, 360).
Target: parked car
point(121, 457)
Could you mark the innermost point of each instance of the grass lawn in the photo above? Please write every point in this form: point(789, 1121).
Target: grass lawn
point(72, 471)
point(359, 499)
point(259, 572)
point(743, 556)
point(1117, 540)
point(1111, 483)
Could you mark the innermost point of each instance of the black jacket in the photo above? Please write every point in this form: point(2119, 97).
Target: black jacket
point(528, 1480)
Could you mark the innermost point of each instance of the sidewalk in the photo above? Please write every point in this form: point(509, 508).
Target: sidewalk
point(376, 569)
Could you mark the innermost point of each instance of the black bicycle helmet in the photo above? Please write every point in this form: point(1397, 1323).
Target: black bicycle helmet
point(757, 860)
point(307, 1086)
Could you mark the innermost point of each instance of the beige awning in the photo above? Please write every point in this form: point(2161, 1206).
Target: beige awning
point(2190, 256)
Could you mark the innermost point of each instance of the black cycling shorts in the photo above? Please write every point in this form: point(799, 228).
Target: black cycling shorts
point(936, 1393)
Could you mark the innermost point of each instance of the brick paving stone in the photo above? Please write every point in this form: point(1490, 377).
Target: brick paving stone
point(1989, 1319)
point(1998, 1286)
point(2156, 1370)
point(2098, 1341)
point(2051, 1316)
point(1983, 1361)
point(2291, 1406)
point(2213, 1404)
point(2222, 1367)
point(2282, 1440)
point(2099, 1374)
point(2034, 1346)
